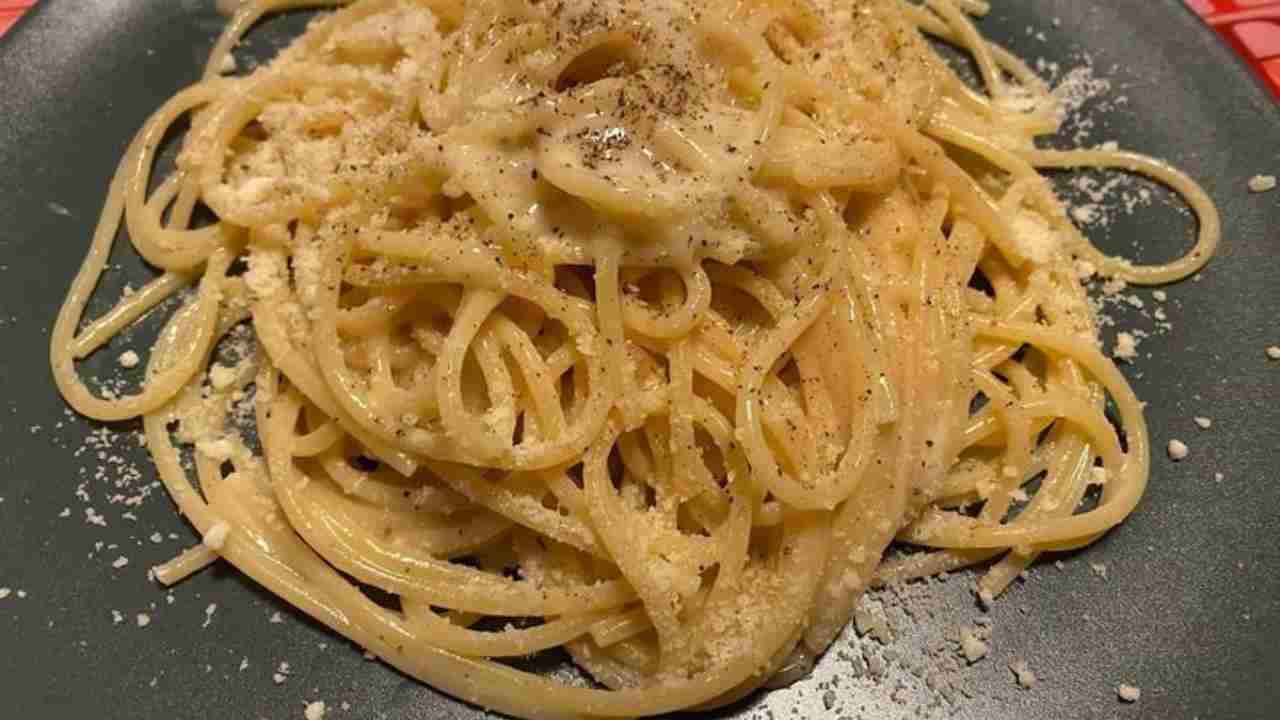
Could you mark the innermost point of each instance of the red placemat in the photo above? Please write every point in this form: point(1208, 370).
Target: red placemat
point(1252, 27)
point(11, 10)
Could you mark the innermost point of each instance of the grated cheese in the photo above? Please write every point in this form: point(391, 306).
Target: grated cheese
point(1126, 346)
point(221, 376)
point(972, 648)
point(1129, 693)
point(1262, 183)
point(1022, 674)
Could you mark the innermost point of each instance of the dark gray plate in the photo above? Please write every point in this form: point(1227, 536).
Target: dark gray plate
point(1189, 610)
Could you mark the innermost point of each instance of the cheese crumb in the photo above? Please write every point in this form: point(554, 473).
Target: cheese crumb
point(1262, 183)
point(1126, 346)
point(1177, 450)
point(268, 274)
point(4, 593)
point(120, 562)
point(1129, 693)
point(314, 710)
point(1273, 352)
point(1034, 236)
point(1160, 295)
point(1204, 422)
point(973, 648)
point(221, 377)
point(128, 359)
point(217, 535)
point(1099, 569)
point(1025, 678)
point(276, 617)
point(220, 449)
point(143, 620)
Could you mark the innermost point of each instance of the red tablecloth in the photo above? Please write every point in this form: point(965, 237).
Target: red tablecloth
point(1252, 27)
point(11, 10)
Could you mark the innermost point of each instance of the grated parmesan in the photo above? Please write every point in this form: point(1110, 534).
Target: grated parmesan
point(1126, 346)
point(1022, 674)
point(972, 648)
point(1178, 450)
point(1034, 237)
point(1262, 183)
point(221, 377)
point(1129, 693)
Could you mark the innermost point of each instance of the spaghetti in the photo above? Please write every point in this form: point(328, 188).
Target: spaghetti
point(637, 329)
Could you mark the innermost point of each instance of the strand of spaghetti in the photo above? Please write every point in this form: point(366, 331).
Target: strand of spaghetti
point(967, 35)
point(368, 558)
point(130, 307)
point(525, 510)
point(245, 17)
point(1207, 240)
point(187, 563)
point(670, 324)
point(505, 643)
point(167, 246)
point(195, 334)
point(941, 127)
point(1120, 496)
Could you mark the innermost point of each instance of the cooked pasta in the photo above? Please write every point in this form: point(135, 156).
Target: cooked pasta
point(637, 328)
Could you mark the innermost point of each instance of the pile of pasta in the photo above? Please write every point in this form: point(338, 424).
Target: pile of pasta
point(637, 329)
